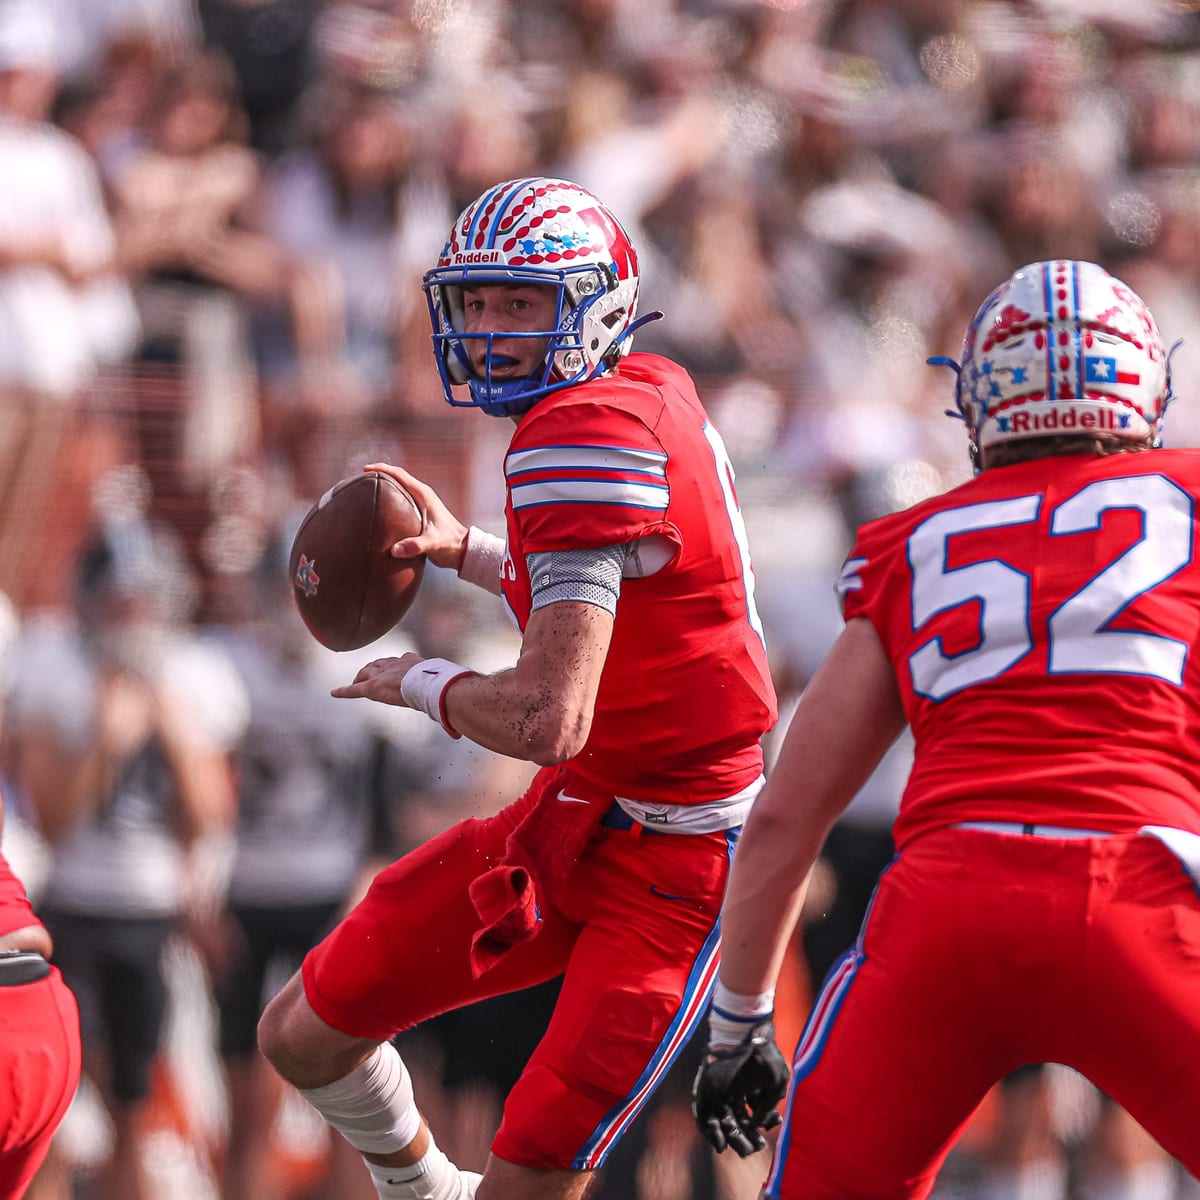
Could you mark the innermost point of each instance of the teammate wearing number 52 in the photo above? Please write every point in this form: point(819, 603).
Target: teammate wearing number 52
point(1039, 628)
point(641, 688)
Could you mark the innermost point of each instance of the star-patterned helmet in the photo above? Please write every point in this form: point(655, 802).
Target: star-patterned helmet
point(1062, 347)
point(535, 231)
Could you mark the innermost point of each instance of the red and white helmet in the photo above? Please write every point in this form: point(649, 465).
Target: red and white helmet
point(536, 231)
point(1063, 347)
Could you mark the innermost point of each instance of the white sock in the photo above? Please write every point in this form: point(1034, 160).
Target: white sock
point(434, 1177)
point(372, 1107)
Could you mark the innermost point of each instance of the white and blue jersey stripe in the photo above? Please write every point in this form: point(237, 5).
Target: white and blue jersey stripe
point(620, 475)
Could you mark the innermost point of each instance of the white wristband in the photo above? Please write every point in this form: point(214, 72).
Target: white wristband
point(732, 1015)
point(424, 688)
point(740, 1007)
point(482, 560)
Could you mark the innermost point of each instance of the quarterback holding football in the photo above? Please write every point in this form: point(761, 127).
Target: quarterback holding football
point(641, 690)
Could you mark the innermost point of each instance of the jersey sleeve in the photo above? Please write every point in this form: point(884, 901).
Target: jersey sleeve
point(865, 573)
point(586, 476)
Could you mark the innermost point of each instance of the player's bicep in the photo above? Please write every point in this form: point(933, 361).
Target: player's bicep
point(593, 574)
point(565, 647)
point(557, 676)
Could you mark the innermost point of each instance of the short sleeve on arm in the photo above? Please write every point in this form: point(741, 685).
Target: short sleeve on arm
point(849, 586)
point(863, 583)
point(586, 476)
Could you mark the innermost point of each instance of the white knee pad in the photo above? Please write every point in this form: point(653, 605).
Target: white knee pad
point(372, 1107)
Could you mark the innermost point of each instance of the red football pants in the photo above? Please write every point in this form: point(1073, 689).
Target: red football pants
point(634, 933)
point(40, 1062)
point(982, 952)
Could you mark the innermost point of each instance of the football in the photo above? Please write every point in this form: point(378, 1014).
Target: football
point(349, 589)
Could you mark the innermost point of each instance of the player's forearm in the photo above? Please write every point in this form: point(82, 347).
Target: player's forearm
point(763, 901)
point(847, 718)
point(541, 709)
point(518, 717)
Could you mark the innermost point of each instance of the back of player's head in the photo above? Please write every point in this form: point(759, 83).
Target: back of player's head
point(1062, 349)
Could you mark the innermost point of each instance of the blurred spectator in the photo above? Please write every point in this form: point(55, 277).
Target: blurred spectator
point(644, 147)
point(64, 313)
point(356, 217)
point(181, 202)
point(108, 109)
point(310, 819)
point(22, 844)
point(269, 44)
point(86, 30)
point(122, 727)
point(1053, 1136)
point(1166, 268)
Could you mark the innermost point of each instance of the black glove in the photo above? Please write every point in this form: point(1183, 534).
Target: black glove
point(736, 1091)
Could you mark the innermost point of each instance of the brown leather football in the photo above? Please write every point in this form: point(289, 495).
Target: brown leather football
point(349, 589)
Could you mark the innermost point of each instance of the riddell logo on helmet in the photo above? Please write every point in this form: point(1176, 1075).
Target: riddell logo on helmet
point(475, 256)
point(1069, 419)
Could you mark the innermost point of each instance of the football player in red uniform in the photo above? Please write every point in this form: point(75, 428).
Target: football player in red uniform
point(40, 1052)
point(1038, 628)
point(641, 689)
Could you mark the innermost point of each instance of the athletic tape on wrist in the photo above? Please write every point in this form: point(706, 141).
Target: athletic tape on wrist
point(424, 688)
point(743, 1007)
point(482, 560)
point(732, 1015)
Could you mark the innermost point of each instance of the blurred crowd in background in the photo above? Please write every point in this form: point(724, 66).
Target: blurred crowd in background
point(214, 218)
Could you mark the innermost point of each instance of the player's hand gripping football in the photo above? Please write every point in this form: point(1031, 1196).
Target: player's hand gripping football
point(444, 536)
point(737, 1088)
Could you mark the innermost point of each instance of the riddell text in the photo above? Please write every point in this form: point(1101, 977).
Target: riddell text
point(1024, 422)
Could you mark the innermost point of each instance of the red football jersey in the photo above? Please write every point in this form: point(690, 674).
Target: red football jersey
point(1043, 622)
point(15, 910)
point(686, 693)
